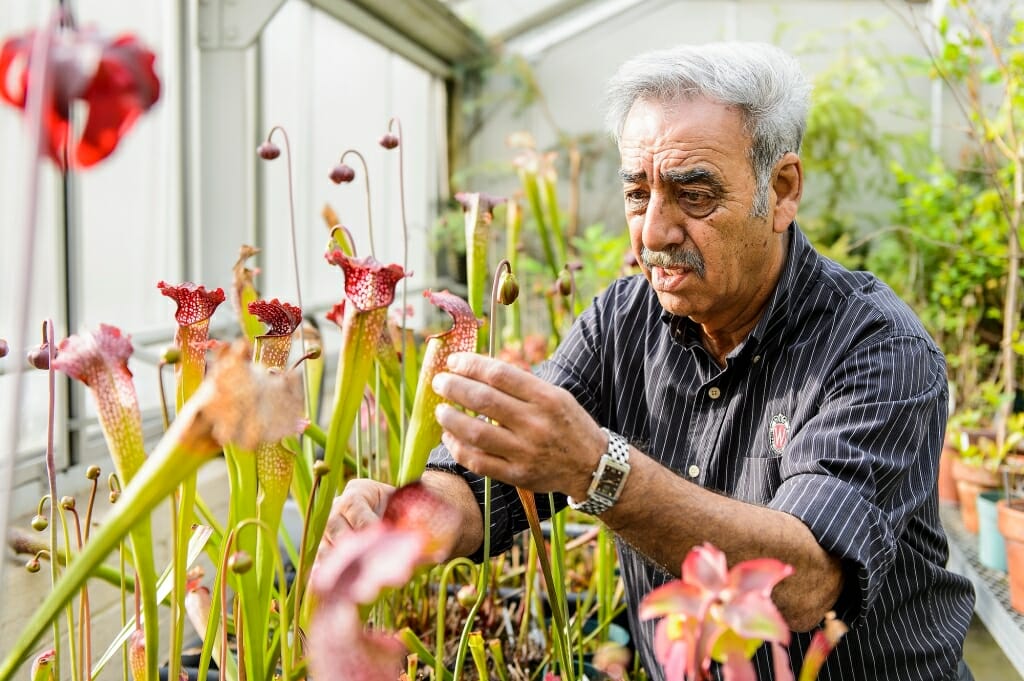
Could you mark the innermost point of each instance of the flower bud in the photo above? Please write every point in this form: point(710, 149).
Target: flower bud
point(320, 469)
point(466, 596)
point(4, 348)
point(40, 522)
point(40, 357)
point(32, 565)
point(564, 282)
point(171, 355)
point(508, 288)
point(388, 141)
point(268, 151)
point(114, 496)
point(342, 173)
point(240, 562)
point(67, 503)
point(92, 472)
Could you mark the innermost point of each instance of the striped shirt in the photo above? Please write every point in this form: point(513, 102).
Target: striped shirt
point(833, 410)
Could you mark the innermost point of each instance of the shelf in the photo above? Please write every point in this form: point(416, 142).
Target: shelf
point(1005, 624)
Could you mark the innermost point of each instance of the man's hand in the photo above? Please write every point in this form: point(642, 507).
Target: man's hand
point(362, 503)
point(541, 439)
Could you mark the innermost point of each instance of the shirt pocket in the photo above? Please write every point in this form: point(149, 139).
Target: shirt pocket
point(759, 479)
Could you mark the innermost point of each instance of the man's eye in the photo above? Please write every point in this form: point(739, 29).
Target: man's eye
point(636, 197)
point(697, 203)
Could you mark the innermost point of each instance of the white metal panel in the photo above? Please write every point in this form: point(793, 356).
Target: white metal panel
point(333, 89)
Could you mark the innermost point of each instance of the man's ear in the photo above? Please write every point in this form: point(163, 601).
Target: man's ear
point(788, 186)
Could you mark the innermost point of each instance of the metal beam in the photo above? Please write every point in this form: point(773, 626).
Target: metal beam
point(233, 24)
point(425, 32)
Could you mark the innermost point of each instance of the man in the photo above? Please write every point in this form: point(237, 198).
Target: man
point(755, 394)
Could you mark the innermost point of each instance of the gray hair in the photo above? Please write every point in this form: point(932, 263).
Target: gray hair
point(762, 81)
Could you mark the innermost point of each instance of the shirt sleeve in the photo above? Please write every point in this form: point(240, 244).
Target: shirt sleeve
point(859, 470)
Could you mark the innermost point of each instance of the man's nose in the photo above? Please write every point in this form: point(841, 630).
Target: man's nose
point(663, 223)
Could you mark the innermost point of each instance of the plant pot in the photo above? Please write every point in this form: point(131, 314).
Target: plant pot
point(947, 483)
point(971, 480)
point(1011, 525)
point(991, 547)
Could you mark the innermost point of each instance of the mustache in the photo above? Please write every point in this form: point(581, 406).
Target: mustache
point(674, 258)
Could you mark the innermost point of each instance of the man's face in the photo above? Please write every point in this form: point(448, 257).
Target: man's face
point(688, 187)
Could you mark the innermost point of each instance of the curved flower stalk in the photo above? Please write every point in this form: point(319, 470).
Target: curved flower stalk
point(100, 361)
point(424, 431)
point(114, 77)
point(369, 289)
point(243, 292)
point(478, 212)
point(714, 613)
point(195, 307)
point(240, 403)
point(417, 529)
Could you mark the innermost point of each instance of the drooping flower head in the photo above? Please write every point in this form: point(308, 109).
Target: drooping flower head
point(272, 347)
point(369, 284)
point(424, 432)
point(114, 77)
point(100, 361)
point(714, 613)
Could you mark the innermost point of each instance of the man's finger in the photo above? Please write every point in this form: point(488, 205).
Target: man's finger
point(508, 378)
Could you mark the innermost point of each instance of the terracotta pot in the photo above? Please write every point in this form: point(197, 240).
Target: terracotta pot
point(1011, 524)
point(947, 483)
point(971, 481)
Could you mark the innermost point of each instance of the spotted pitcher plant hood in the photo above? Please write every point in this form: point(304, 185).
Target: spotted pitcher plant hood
point(272, 348)
point(195, 307)
point(417, 529)
point(113, 76)
point(424, 432)
point(100, 361)
point(239, 403)
point(714, 613)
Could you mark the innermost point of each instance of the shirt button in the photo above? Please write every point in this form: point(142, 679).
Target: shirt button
point(714, 393)
point(755, 359)
point(694, 471)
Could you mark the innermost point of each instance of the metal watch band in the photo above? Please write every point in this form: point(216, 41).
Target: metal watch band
point(609, 477)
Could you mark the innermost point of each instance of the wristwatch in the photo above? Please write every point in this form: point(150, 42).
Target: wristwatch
point(609, 478)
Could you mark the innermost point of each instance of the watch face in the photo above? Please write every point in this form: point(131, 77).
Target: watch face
point(612, 476)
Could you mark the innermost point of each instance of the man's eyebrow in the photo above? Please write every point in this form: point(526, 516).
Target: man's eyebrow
point(681, 176)
point(632, 176)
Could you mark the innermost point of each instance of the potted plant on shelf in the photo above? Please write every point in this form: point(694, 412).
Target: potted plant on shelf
point(1010, 512)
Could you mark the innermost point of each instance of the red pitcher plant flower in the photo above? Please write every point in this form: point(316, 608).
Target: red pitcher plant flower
point(417, 529)
point(239, 402)
point(721, 614)
point(424, 431)
point(113, 76)
point(100, 361)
